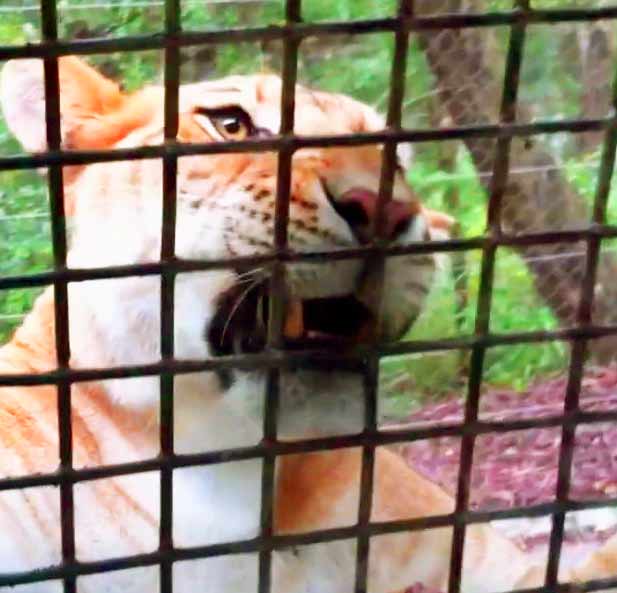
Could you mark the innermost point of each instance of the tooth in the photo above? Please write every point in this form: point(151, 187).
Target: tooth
point(294, 322)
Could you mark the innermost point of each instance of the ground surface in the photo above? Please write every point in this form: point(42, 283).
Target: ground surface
point(518, 469)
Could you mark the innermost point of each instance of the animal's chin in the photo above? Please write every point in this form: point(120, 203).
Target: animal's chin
point(322, 401)
point(320, 397)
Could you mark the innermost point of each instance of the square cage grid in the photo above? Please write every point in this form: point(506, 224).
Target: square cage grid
point(291, 33)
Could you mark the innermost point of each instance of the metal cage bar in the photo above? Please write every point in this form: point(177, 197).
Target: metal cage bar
point(501, 170)
point(579, 349)
point(168, 278)
point(83, 157)
point(375, 270)
point(277, 303)
point(302, 30)
point(49, 21)
point(274, 358)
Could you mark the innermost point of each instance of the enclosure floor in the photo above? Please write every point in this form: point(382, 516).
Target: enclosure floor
point(519, 468)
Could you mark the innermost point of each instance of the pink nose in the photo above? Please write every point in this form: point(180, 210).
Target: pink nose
point(358, 207)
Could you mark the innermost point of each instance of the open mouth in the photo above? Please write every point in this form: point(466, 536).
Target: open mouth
point(240, 324)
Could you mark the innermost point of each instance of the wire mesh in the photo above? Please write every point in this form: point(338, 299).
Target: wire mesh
point(491, 141)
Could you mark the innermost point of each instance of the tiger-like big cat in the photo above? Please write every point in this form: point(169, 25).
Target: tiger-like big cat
point(225, 208)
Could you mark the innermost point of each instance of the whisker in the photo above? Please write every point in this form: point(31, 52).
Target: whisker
point(236, 306)
point(254, 273)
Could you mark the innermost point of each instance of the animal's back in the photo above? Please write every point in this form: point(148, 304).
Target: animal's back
point(113, 517)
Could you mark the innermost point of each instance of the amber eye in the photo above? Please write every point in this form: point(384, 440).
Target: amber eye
point(232, 123)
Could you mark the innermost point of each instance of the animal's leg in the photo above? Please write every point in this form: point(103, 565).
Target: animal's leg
point(601, 564)
point(321, 491)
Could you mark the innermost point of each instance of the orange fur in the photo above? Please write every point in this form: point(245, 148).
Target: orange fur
point(29, 415)
point(96, 112)
point(308, 484)
point(313, 491)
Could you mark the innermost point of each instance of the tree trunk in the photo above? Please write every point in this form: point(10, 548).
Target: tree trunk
point(596, 74)
point(537, 197)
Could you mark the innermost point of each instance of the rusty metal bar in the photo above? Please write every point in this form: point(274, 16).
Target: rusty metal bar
point(275, 358)
point(498, 187)
point(168, 278)
point(281, 542)
point(49, 26)
point(277, 288)
point(389, 437)
point(56, 48)
point(416, 248)
point(81, 157)
point(579, 349)
point(375, 267)
point(299, 357)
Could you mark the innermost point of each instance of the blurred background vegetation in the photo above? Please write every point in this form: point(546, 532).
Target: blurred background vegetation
point(567, 72)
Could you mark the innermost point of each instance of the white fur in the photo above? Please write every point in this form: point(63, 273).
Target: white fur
point(117, 322)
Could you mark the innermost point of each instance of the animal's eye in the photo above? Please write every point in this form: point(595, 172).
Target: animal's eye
point(231, 123)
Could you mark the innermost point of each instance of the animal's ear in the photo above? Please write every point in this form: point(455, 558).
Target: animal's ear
point(93, 109)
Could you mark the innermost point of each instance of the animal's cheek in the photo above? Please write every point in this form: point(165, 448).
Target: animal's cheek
point(200, 233)
point(196, 295)
point(408, 281)
point(315, 280)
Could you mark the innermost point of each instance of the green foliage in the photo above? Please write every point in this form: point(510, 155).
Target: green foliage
point(24, 235)
point(347, 11)
point(360, 67)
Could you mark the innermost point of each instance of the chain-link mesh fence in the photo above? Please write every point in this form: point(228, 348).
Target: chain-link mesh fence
point(509, 108)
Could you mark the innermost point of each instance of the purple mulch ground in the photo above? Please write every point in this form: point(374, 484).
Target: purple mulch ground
point(518, 469)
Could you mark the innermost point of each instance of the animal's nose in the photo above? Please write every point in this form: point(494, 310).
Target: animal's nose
point(358, 207)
